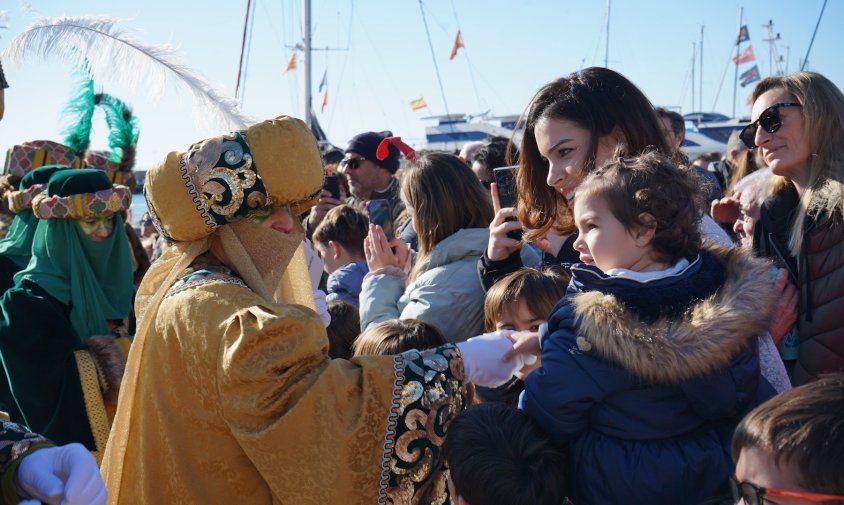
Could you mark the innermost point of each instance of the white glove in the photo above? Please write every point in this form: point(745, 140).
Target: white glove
point(483, 359)
point(315, 263)
point(66, 475)
point(322, 307)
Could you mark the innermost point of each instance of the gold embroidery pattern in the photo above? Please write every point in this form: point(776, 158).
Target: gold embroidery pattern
point(431, 395)
point(392, 422)
point(200, 278)
point(94, 406)
point(222, 179)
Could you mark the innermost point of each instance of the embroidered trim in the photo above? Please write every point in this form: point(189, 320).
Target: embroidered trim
point(183, 285)
point(203, 212)
point(392, 422)
point(20, 201)
point(114, 199)
point(93, 397)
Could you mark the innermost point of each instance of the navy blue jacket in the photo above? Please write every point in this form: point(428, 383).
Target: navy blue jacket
point(645, 381)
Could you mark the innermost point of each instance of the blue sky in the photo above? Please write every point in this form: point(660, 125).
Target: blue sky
point(512, 48)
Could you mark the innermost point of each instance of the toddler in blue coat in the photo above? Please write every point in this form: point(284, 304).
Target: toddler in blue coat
point(649, 361)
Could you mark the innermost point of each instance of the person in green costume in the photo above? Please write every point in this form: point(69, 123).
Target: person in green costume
point(76, 285)
point(16, 248)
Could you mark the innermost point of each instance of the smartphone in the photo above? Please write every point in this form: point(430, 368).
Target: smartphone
point(380, 213)
point(332, 185)
point(505, 179)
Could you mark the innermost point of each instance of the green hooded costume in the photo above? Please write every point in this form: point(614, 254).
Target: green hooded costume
point(16, 248)
point(67, 293)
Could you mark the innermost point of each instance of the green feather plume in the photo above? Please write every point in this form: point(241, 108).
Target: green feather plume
point(81, 109)
point(122, 127)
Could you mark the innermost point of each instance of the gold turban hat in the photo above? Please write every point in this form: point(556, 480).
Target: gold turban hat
point(220, 179)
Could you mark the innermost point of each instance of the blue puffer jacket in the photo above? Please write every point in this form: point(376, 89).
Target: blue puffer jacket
point(645, 381)
point(344, 284)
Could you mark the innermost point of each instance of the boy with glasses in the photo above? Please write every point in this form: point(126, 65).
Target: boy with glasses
point(790, 449)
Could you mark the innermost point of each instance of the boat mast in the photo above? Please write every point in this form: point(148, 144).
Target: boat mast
point(607, 48)
point(307, 70)
point(700, 88)
point(738, 48)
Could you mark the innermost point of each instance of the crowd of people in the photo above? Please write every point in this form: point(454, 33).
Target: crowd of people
point(637, 328)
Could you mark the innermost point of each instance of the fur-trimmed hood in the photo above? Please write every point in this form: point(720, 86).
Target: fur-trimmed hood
point(703, 339)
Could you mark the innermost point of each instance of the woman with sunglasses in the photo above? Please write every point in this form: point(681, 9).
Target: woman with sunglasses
point(799, 129)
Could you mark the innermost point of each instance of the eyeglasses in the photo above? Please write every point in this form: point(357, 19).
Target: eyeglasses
point(751, 494)
point(486, 184)
point(353, 163)
point(769, 120)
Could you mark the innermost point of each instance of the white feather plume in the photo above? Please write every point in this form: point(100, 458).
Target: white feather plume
point(112, 56)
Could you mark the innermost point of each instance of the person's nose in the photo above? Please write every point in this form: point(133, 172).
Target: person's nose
point(762, 137)
point(579, 244)
point(556, 174)
point(282, 221)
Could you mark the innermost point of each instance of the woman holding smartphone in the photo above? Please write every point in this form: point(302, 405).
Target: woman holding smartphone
point(572, 126)
point(451, 211)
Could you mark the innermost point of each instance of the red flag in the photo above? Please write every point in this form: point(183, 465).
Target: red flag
point(324, 100)
point(458, 43)
point(745, 56)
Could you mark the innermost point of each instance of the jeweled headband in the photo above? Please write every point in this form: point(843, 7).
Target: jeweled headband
point(115, 199)
point(22, 200)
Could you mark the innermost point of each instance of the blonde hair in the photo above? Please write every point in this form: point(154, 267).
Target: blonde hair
point(540, 289)
point(823, 114)
point(445, 196)
point(396, 336)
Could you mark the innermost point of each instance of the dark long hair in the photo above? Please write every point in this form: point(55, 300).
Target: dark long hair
point(599, 100)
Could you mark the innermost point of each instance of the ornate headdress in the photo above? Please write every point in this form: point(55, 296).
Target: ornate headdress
point(117, 163)
point(221, 179)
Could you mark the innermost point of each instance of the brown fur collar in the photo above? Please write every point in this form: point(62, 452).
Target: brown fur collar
point(703, 340)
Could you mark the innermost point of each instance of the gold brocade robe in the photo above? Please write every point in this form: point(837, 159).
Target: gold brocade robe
point(237, 402)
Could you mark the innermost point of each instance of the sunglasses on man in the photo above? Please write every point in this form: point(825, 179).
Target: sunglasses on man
point(353, 163)
point(751, 494)
point(769, 120)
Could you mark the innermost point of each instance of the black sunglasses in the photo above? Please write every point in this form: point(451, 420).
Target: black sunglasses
point(353, 163)
point(769, 120)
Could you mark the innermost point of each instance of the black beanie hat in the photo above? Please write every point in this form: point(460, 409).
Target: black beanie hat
point(366, 144)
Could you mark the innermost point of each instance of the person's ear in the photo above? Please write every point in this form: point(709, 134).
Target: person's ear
point(646, 230)
point(336, 249)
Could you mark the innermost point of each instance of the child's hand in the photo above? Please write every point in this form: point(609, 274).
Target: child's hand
point(377, 250)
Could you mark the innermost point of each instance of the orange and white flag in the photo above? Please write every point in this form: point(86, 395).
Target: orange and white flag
point(458, 43)
point(291, 65)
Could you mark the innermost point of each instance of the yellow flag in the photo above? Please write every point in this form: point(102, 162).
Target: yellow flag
point(417, 104)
